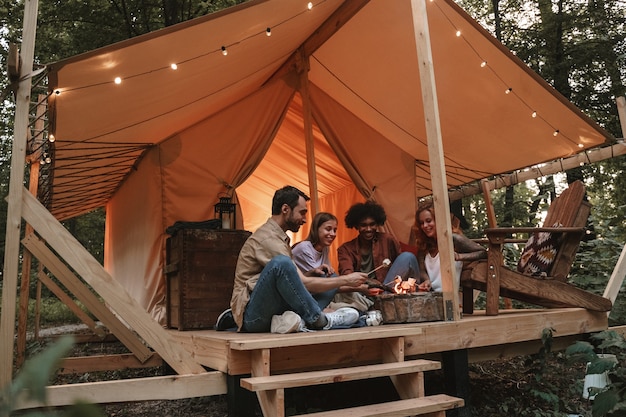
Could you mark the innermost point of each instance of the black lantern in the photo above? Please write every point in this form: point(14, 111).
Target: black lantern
point(225, 210)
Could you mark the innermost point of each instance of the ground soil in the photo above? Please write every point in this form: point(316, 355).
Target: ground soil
point(536, 385)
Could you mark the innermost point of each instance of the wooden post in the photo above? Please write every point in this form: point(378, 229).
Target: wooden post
point(16, 189)
point(33, 159)
point(308, 132)
point(621, 112)
point(435, 157)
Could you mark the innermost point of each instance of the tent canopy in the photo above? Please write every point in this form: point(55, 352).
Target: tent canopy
point(163, 144)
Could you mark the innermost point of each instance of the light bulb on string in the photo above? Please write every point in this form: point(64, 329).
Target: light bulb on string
point(534, 114)
point(118, 80)
point(48, 159)
point(268, 31)
point(483, 64)
point(309, 5)
point(458, 33)
point(508, 90)
point(224, 51)
point(556, 133)
point(580, 145)
point(174, 66)
point(51, 138)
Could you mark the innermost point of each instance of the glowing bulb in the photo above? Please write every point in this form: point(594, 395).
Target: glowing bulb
point(42, 162)
point(118, 80)
point(556, 133)
point(310, 5)
point(458, 33)
point(268, 31)
point(224, 51)
point(174, 66)
point(534, 114)
point(51, 138)
point(483, 64)
point(508, 91)
point(580, 145)
point(48, 160)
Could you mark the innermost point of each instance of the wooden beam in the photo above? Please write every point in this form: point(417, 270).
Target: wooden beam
point(83, 364)
point(85, 296)
point(308, 134)
point(67, 300)
point(586, 157)
point(621, 112)
point(339, 18)
point(138, 389)
point(436, 160)
point(16, 189)
point(617, 278)
point(36, 141)
point(111, 291)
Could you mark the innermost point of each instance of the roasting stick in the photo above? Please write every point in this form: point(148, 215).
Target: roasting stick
point(386, 264)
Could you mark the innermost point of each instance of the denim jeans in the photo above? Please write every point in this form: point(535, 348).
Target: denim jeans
point(404, 265)
point(278, 289)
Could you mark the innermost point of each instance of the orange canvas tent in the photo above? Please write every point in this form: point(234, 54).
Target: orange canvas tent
point(156, 128)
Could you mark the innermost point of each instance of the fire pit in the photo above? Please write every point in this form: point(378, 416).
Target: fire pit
point(412, 307)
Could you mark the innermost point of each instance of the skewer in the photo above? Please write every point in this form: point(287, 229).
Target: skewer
point(386, 264)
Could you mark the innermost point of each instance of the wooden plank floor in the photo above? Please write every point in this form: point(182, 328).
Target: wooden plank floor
point(486, 337)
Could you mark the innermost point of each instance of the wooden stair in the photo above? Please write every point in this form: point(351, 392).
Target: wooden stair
point(408, 377)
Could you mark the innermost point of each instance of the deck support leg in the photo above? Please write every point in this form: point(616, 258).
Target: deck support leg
point(456, 374)
point(241, 402)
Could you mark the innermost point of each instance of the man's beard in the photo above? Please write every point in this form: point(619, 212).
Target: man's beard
point(292, 225)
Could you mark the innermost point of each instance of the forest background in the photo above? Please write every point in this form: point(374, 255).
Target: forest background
point(577, 46)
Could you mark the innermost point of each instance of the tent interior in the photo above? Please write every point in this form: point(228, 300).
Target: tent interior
point(163, 142)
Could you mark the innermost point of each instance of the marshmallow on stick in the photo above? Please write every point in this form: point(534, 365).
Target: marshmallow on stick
point(386, 264)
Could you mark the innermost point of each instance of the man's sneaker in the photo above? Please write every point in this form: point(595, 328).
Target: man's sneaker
point(342, 317)
point(225, 320)
point(288, 322)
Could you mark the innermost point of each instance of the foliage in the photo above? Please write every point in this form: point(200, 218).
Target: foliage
point(610, 400)
point(30, 383)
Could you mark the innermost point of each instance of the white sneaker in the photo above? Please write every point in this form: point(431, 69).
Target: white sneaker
point(288, 322)
point(342, 317)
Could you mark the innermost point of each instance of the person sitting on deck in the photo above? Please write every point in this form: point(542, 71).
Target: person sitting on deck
point(270, 293)
point(369, 250)
point(424, 236)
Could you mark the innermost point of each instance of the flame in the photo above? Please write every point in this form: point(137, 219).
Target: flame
point(404, 287)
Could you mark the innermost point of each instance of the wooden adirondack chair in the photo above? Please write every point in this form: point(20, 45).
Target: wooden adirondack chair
point(569, 212)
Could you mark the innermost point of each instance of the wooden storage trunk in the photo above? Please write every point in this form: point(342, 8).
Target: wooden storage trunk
point(200, 271)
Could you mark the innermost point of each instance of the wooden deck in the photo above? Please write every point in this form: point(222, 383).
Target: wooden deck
point(486, 337)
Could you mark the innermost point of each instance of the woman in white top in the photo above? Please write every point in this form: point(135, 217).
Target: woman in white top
point(424, 236)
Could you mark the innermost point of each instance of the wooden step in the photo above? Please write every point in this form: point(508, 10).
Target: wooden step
point(302, 379)
point(435, 404)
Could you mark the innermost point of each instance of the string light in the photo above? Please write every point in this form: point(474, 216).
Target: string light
point(224, 51)
point(508, 90)
point(580, 145)
point(310, 5)
point(534, 114)
point(556, 133)
point(268, 31)
point(458, 33)
point(118, 80)
point(57, 92)
point(174, 66)
point(483, 64)
point(51, 138)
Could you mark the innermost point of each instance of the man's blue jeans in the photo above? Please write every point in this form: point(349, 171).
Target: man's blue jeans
point(404, 265)
point(278, 289)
